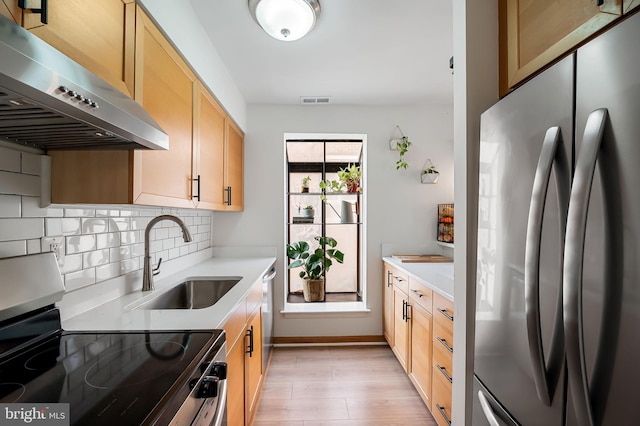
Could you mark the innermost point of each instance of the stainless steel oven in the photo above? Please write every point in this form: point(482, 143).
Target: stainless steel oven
point(172, 377)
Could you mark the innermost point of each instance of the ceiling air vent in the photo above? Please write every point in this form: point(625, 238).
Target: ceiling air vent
point(314, 100)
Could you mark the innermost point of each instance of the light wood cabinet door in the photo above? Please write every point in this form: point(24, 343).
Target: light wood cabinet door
point(165, 88)
point(99, 36)
point(441, 405)
point(235, 383)
point(234, 170)
point(253, 364)
point(210, 127)
point(534, 33)
point(388, 314)
point(400, 328)
point(421, 350)
point(10, 9)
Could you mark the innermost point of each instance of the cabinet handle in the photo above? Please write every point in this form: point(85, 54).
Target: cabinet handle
point(418, 293)
point(599, 2)
point(404, 311)
point(443, 371)
point(444, 343)
point(197, 196)
point(228, 191)
point(443, 414)
point(398, 278)
point(445, 313)
point(249, 334)
point(408, 317)
point(389, 281)
point(43, 11)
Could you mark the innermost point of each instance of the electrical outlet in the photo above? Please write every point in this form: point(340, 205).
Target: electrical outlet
point(56, 245)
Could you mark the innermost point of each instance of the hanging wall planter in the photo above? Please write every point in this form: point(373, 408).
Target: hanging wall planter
point(429, 173)
point(402, 145)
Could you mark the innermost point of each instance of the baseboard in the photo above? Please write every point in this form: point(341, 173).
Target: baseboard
point(328, 340)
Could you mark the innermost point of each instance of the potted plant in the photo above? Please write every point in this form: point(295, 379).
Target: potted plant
point(307, 211)
point(349, 177)
point(305, 183)
point(402, 144)
point(314, 264)
point(429, 173)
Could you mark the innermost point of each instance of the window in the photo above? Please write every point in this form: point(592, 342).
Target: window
point(341, 216)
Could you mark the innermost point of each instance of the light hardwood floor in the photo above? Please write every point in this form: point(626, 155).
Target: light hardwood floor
point(339, 386)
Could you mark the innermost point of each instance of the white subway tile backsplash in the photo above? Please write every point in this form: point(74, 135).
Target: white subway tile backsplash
point(19, 184)
point(66, 226)
point(13, 248)
point(79, 212)
point(79, 279)
point(79, 244)
point(9, 159)
point(100, 242)
point(10, 205)
point(31, 208)
point(95, 258)
point(33, 246)
point(30, 164)
point(94, 225)
point(21, 229)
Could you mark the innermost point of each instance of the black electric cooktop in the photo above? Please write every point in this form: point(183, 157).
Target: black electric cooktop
point(110, 378)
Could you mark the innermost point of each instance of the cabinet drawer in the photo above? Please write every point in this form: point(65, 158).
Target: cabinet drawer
point(442, 337)
point(400, 280)
point(442, 361)
point(443, 311)
point(441, 407)
point(421, 294)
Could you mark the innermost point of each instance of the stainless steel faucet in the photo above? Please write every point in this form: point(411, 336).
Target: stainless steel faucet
point(147, 274)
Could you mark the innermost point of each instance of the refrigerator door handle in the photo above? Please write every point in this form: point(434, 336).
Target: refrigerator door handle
point(487, 410)
point(546, 375)
point(589, 399)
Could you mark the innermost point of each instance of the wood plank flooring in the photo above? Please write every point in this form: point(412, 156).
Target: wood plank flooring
point(339, 386)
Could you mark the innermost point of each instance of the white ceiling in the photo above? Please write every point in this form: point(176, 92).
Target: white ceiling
point(361, 52)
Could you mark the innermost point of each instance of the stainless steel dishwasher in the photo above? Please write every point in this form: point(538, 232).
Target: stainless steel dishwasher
point(267, 315)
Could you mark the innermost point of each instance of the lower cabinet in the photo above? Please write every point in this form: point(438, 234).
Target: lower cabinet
point(244, 359)
point(418, 326)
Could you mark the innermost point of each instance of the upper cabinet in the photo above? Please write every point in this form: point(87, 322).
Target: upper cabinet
point(10, 9)
point(534, 33)
point(165, 87)
point(234, 170)
point(205, 155)
point(99, 37)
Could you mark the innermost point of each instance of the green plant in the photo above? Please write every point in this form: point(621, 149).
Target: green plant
point(402, 145)
point(317, 263)
point(349, 177)
point(429, 170)
point(305, 181)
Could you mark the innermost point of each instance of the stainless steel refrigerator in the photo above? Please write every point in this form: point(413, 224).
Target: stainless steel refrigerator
point(558, 285)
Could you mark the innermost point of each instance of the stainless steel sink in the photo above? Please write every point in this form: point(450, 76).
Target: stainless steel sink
point(192, 294)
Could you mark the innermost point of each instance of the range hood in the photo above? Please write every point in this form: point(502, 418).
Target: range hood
point(50, 102)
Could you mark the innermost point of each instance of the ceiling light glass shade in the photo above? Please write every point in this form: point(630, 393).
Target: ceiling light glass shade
point(285, 20)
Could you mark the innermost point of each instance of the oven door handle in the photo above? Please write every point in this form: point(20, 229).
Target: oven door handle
point(218, 418)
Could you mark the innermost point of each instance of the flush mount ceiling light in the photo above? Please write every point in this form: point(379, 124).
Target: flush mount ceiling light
point(285, 20)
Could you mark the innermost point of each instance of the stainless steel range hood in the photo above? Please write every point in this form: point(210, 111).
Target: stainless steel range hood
point(48, 101)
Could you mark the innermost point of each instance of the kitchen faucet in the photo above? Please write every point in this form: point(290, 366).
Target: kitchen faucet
point(147, 274)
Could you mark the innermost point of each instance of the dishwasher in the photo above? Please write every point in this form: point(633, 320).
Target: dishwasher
point(267, 315)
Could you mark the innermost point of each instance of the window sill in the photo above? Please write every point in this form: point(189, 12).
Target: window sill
point(325, 309)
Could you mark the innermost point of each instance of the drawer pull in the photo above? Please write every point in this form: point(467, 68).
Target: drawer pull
point(443, 414)
point(444, 343)
point(398, 278)
point(417, 292)
point(389, 279)
point(443, 371)
point(445, 313)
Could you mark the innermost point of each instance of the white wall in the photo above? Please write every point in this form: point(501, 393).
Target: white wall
point(475, 40)
point(180, 23)
point(400, 209)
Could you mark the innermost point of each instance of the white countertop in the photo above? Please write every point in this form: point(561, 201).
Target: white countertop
point(437, 276)
point(118, 315)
